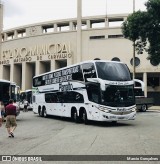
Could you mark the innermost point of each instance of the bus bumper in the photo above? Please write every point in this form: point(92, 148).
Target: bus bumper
point(112, 117)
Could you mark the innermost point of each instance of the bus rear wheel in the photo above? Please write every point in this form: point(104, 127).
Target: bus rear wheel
point(45, 113)
point(144, 108)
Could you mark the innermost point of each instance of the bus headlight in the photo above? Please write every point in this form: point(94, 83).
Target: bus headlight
point(104, 109)
point(133, 109)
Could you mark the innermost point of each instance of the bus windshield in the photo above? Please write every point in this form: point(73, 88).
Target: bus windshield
point(118, 96)
point(113, 71)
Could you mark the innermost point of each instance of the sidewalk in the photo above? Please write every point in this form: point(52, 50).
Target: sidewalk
point(154, 108)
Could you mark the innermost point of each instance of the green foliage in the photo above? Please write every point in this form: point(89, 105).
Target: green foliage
point(144, 26)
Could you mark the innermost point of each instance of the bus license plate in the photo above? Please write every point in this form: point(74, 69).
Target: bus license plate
point(121, 109)
point(121, 118)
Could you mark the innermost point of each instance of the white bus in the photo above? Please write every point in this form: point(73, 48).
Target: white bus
point(26, 95)
point(92, 90)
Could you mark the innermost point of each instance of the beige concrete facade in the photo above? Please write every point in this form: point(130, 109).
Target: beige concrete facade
point(29, 50)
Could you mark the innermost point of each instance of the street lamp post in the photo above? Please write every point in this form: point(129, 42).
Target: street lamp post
point(134, 70)
point(79, 30)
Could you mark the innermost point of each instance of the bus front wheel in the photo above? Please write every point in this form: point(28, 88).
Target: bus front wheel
point(40, 112)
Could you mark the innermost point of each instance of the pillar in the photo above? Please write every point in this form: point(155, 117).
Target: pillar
point(88, 24)
point(145, 82)
point(52, 65)
point(55, 27)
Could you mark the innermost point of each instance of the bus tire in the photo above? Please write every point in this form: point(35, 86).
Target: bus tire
point(44, 112)
point(144, 108)
point(39, 112)
point(85, 119)
point(74, 115)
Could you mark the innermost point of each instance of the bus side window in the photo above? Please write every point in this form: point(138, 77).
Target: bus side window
point(53, 98)
point(93, 93)
point(73, 97)
point(60, 97)
point(78, 75)
point(66, 97)
point(79, 98)
point(47, 98)
point(89, 71)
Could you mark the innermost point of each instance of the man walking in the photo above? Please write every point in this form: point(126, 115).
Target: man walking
point(11, 118)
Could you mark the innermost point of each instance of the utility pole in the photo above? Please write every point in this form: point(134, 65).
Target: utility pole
point(79, 31)
point(1, 28)
point(134, 69)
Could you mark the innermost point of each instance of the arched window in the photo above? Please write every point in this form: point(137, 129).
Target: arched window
point(154, 62)
point(115, 59)
point(137, 61)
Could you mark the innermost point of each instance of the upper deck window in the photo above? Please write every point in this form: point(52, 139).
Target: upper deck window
point(89, 71)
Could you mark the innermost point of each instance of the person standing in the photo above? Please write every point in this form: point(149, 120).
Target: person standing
point(2, 110)
point(17, 107)
point(11, 118)
point(25, 105)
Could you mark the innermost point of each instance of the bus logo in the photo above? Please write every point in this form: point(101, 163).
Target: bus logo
point(66, 87)
point(121, 109)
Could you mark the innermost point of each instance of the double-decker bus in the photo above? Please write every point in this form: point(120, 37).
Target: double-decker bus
point(92, 90)
point(26, 95)
point(8, 90)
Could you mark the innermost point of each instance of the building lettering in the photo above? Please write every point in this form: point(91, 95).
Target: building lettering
point(66, 87)
point(26, 59)
point(24, 54)
point(5, 62)
point(59, 56)
point(59, 50)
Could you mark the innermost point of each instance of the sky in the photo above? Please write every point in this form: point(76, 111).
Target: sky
point(23, 12)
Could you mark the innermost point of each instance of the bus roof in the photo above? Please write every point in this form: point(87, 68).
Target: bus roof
point(28, 90)
point(88, 61)
point(7, 81)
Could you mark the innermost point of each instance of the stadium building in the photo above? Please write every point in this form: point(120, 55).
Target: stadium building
point(33, 49)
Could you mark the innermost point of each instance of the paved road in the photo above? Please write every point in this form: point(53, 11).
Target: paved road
point(58, 136)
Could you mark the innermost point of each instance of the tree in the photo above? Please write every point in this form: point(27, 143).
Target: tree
point(143, 28)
